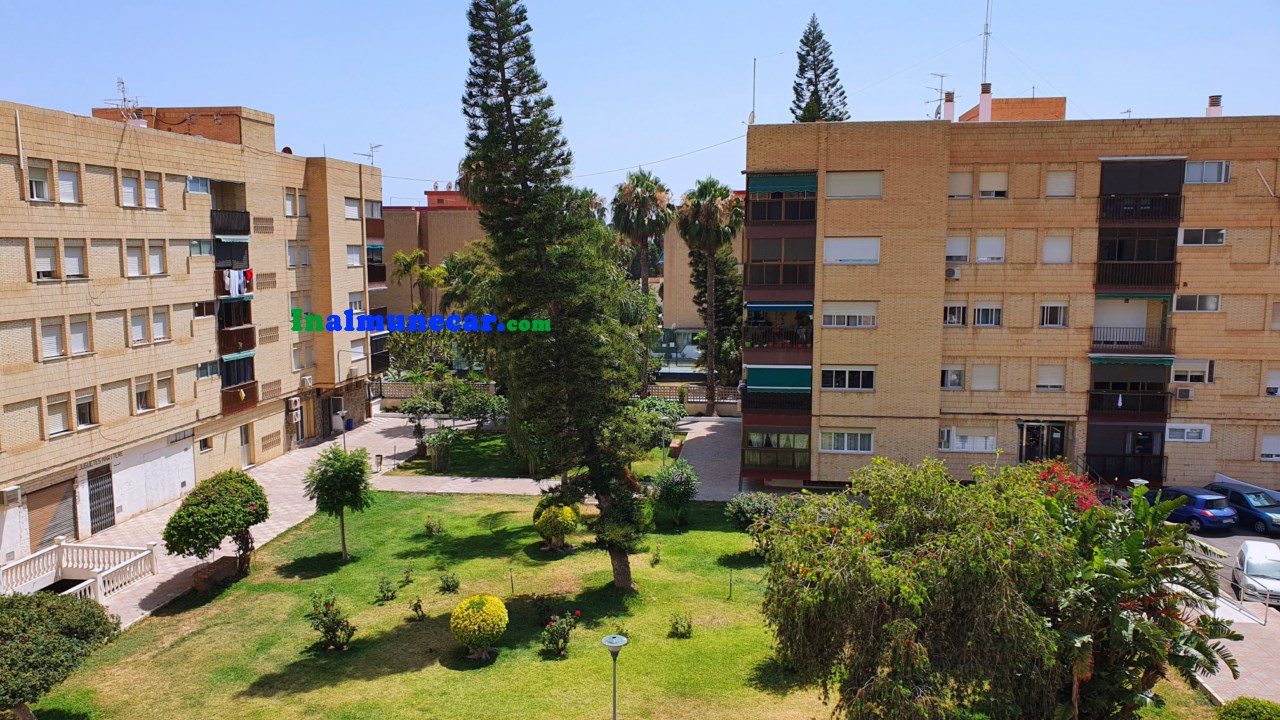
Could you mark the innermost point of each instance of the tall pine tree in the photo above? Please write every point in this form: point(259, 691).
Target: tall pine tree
point(818, 93)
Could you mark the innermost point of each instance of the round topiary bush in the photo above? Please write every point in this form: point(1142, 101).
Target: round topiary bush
point(745, 508)
point(225, 505)
point(1249, 709)
point(556, 521)
point(477, 622)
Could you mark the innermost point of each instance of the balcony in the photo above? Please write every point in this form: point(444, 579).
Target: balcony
point(374, 228)
point(1140, 209)
point(229, 222)
point(1136, 276)
point(1126, 467)
point(379, 311)
point(377, 275)
point(237, 339)
point(221, 290)
point(775, 459)
point(379, 362)
point(760, 401)
point(780, 274)
point(770, 345)
point(1137, 340)
point(1131, 406)
point(240, 397)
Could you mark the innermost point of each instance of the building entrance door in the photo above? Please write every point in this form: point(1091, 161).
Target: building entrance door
point(246, 446)
point(51, 512)
point(102, 499)
point(1042, 441)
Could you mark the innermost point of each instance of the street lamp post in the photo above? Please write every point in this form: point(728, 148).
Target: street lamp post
point(615, 643)
point(343, 414)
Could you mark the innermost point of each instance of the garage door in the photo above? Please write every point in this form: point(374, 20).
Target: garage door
point(51, 512)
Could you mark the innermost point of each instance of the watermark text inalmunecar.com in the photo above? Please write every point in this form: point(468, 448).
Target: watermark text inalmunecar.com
point(349, 321)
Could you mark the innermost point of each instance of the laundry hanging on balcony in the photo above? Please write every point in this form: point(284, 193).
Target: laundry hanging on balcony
point(237, 282)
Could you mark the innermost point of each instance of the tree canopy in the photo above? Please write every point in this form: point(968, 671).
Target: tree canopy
point(817, 89)
point(338, 481)
point(225, 505)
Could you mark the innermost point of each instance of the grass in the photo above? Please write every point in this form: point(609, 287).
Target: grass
point(651, 463)
point(246, 651)
point(474, 454)
point(1175, 700)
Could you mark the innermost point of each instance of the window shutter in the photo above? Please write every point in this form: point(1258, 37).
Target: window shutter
point(986, 377)
point(129, 191)
point(353, 256)
point(1273, 382)
point(134, 259)
point(1060, 183)
point(156, 258)
point(159, 323)
point(357, 350)
point(68, 186)
point(960, 184)
point(352, 209)
point(1051, 376)
point(1057, 250)
point(958, 249)
point(990, 249)
point(993, 181)
point(305, 252)
point(138, 325)
point(164, 391)
point(302, 203)
point(153, 193)
point(1271, 445)
point(45, 258)
point(848, 308)
point(51, 338)
point(293, 255)
point(57, 417)
point(79, 337)
point(855, 184)
point(851, 251)
point(73, 256)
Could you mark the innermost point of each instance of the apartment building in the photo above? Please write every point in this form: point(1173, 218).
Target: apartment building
point(149, 260)
point(440, 228)
point(1014, 286)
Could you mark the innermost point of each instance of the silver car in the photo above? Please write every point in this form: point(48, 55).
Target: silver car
point(1256, 575)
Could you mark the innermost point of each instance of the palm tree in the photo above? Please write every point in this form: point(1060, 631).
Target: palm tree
point(708, 218)
point(642, 212)
point(409, 266)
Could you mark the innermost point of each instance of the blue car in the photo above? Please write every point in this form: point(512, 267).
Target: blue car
point(1202, 508)
point(1259, 507)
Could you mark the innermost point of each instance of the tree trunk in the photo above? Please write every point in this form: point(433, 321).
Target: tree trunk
point(244, 551)
point(644, 336)
point(621, 569)
point(342, 530)
point(22, 712)
point(710, 358)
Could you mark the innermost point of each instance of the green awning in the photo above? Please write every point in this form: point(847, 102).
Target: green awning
point(801, 182)
point(238, 298)
point(238, 356)
point(779, 378)
point(779, 307)
point(1131, 360)
point(233, 238)
point(378, 246)
point(1135, 296)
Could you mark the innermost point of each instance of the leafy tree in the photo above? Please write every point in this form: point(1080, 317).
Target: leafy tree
point(225, 505)
point(675, 486)
point(817, 89)
point(43, 639)
point(410, 269)
point(642, 212)
point(339, 481)
point(469, 281)
point(421, 356)
point(708, 218)
point(484, 407)
point(728, 312)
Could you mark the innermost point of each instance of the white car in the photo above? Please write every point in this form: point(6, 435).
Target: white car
point(1256, 575)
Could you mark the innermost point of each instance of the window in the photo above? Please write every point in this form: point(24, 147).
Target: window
point(203, 308)
point(1275, 316)
point(1271, 448)
point(991, 249)
point(952, 377)
point(181, 435)
point(851, 251)
point(993, 185)
point(297, 357)
point(1051, 378)
point(304, 255)
point(373, 209)
point(56, 416)
point(206, 444)
point(290, 202)
point(987, 315)
point(51, 339)
point(1060, 184)
point(308, 355)
point(159, 324)
point(1197, 303)
point(373, 254)
point(129, 189)
point(357, 350)
point(86, 416)
point(967, 439)
point(207, 370)
point(68, 183)
point(1053, 315)
point(845, 441)
point(1207, 172)
point(863, 184)
point(1202, 236)
point(38, 183)
point(235, 373)
point(300, 301)
point(985, 377)
point(302, 203)
point(80, 335)
point(953, 314)
point(1273, 383)
point(960, 185)
point(198, 185)
point(1193, 371)
point(355, 301)
point(293, 255)
point(155, 258)
point(46, 259)
point(958, 249)
point(1057, 250)
point(133, 258)
point(849, 314)
point(138, 326)
point(1187, 433)
point(142, 394)
point(849, 378)
point(201, 248)
point(151, 190)
point(73, 259)
point(164, 389)
point(353, 256)
point(351, 208)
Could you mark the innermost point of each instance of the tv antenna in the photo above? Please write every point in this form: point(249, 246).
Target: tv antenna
point(941, 90)
point(127, 105)
point(986, 40)
point(373, 150)
point(1128, 114)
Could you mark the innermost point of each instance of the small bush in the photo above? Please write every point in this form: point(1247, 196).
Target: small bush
point(555, 636)
point(675, 486)
point(656, 557)
point(449, 583)
point(416, 607)
point(477, 622)
point(1248, 708)
point(555, 522)
point(407, 578)
point(332, 624)
point(433, 527)
point(681, 626)
point(745, 508)
point(545, 606)
point(386, 590)
point(620, 629)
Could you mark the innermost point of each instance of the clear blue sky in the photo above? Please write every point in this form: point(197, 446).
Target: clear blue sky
point(634, 82)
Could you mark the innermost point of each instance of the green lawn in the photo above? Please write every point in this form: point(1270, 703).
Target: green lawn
point(473, 455)
point(651, 463)
point(247, 652)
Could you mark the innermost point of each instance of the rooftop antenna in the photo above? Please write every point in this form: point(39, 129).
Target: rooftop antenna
point(1128, 114)
point(373, 150)
point(986, 40)
point(127, 105)
point(941, 89)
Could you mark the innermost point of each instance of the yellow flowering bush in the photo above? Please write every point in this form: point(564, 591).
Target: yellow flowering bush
point(555, 522)
point(477, 622)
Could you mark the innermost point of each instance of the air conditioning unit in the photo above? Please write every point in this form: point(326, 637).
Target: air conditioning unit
point(308, 381)
point(953, 273)
point(295, 416)
point(294, 403)
point(12, 496)
point(1185, 393)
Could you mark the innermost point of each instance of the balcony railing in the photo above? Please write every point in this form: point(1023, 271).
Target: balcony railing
point(1127, 274)
point(374, 228)
point(221, 289)
point(380, 311)
point(379, 362)
point(377, 274)
point(240, 397)
point(798, 274)
point(1142, 340)
point(767, 401)
point(1152, 406)
point(229, 222)
point(777, 337)
point(1138, 209)
point(775, 459)
point(1126, 467)
point(237, 339)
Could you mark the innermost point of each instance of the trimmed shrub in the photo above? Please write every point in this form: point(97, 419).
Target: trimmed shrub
point(225, 505)
point(477, 622)
point(675, 486)
point(681, 626)
point(43, 639)
point(555, 522)
point(745, 508)
point(335, 629)
point(449, 583)
point(1248, 708)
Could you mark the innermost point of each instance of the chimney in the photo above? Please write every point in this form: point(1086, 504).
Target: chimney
point(984, 103)
point(949, 106)
point(1215, 106)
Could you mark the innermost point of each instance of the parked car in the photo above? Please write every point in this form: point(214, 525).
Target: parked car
point(1202, 508)
point(1259, 507)
point(1256, 575)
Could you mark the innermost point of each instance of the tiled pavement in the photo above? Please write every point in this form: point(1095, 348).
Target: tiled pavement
point(1257, 654)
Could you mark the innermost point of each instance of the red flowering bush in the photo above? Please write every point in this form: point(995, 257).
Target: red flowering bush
point(555, 636)
point(332, 624)
point(1069, 489)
